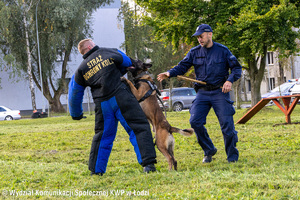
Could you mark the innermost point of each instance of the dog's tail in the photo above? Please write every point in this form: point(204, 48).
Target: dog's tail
point(184, 132)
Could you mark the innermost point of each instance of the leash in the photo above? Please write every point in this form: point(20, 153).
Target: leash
point(164, 107)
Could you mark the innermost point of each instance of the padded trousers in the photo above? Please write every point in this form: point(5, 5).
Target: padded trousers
point(123, 108)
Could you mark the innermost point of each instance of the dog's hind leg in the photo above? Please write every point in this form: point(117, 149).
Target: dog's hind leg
point(162, 143)
point(165, 152)
point(171, 145)
point(167, 149)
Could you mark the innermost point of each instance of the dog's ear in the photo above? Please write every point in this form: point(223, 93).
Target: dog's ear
point(147, 65)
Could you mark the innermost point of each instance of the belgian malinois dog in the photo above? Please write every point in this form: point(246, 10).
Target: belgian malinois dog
point(145, 92)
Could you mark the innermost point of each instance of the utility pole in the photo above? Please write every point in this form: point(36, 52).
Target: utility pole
point(38, 44)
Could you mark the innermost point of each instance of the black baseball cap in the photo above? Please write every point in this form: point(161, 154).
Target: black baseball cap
point(201, 29)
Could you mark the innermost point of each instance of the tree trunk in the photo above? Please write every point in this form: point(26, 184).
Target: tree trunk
point(48, 86)
point(255, 91)
point(244, 87)
point(29, 67)
point(281, 74)
point(256, 76)
point(237, 89)
point(56, 106)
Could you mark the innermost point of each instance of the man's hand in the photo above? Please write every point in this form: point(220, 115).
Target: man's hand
point(163, 76)
point(226, 87)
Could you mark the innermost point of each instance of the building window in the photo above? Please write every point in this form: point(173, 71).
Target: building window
point(272, 83)
point(270, 58)
point(249, 85)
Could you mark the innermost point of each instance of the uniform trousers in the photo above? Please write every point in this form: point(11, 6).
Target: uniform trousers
point(224, 110)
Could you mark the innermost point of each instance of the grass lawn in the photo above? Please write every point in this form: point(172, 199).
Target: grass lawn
point(47, 159)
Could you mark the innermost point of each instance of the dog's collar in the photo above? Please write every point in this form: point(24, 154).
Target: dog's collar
point(141, 75)
point(152, 86)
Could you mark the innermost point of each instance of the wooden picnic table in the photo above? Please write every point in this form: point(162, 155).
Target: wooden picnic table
point(287, 108)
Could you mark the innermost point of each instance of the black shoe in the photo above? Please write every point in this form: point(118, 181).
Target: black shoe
point(149, 168)
point(99, 174)
point(208, 159)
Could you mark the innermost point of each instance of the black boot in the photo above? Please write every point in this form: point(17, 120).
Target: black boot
point(149, 168)
point(99, 174)
point(208, 159)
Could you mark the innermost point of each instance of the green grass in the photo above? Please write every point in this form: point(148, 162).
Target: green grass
point(51, 155)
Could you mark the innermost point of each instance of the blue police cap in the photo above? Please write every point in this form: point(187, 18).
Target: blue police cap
point(201, 29)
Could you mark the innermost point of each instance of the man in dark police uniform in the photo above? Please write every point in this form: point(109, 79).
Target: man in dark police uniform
point(101, 70)
point(212, 62)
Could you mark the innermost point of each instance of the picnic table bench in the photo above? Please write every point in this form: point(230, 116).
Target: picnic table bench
point(287, 108)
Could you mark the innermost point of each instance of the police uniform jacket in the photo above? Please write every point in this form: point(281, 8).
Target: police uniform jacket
point(211, 65)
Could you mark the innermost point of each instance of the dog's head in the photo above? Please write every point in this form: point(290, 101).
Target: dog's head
point(139, 67)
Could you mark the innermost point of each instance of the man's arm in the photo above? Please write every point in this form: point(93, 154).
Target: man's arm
point(236, 71)
point(236, 68)
point(182, 67)
point(123, 67)
point(75, 99)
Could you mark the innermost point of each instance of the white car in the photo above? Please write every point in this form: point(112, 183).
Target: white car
point(8, 114)
point(282, 90)
point(296, 89)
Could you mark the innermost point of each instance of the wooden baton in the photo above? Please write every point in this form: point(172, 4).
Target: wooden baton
point(192, 80)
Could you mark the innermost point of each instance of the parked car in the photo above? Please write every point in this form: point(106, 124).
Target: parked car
point(282, 90)
point(296, 89)
point(182, 98)
point(8, 114)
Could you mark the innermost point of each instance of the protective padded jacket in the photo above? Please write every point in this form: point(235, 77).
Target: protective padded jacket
point(101, 70)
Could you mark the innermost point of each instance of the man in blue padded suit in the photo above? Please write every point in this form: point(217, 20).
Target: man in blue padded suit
point(211, 62)
point(101, 70)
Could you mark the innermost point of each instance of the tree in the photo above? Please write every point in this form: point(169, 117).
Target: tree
point(140, 43)
point(262, 26)
point(21, 9)
point(247, 27)
point(61, 25)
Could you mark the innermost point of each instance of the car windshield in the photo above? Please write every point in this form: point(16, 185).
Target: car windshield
point(283, 87)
